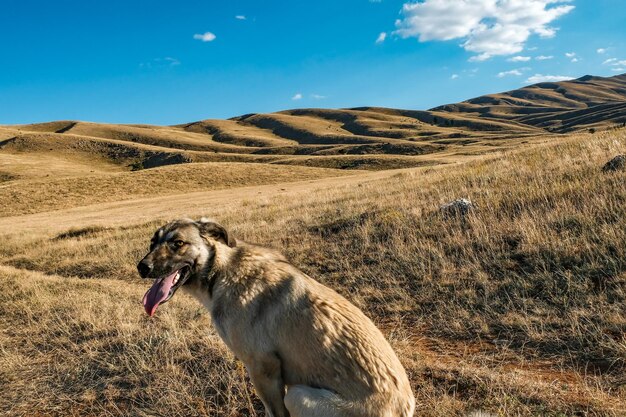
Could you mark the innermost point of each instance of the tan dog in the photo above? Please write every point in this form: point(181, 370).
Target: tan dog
point(309, 351)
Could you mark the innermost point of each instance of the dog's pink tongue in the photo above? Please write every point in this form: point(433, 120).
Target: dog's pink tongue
point(157, 293)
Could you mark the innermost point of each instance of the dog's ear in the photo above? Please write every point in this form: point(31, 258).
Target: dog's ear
point(212, 230)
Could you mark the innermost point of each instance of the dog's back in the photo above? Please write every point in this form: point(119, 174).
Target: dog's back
point(330, 354)
point(346, 354)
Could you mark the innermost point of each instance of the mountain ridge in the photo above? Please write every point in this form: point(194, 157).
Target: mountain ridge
point(554, 106)
point(353, 138)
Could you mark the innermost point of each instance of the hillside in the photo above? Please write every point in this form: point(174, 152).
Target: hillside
point(515, 310)
point(587, 102)
point(46, 194)
point(359, 138)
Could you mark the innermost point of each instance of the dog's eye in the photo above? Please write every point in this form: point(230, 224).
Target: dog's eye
point(179, 243)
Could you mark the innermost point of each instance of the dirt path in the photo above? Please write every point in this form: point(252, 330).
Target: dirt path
point(178, 205)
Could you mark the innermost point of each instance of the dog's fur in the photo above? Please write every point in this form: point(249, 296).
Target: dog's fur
point(308, 350)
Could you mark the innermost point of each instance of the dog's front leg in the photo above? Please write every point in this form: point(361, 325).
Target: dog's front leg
point(265, 374)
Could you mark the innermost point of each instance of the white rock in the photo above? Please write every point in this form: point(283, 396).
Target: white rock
point(457, 208)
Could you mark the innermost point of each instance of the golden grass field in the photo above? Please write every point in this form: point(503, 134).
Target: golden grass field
point(518, 309)
point(50, 194)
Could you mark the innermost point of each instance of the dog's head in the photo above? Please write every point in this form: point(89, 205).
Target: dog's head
point(181, 253)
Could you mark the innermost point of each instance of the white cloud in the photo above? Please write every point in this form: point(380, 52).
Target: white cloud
point(543, 57)
point(205, 37)
point(575, 60)
point(297, 96)
point(168, 61)
point(617, 65)
point(479, 58)
point(487, 27)
point(240, 17)
point(570, 54)
point(318, 96)
point(454, 76)
point(538, 78)
point(381, 38)
point(171, 61)
point(512, 72)
point(601, 50)
point(519, 59)
point(516, 72)
point(470, 72)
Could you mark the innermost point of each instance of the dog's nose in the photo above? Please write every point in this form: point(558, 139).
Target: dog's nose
point(144, 268)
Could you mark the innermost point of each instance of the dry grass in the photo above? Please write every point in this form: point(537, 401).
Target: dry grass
point(517, 310)
point(123, 151)
point(29, 166)
point(94, 353)
point(374, 139)
point(49, 194)
point(585, 103)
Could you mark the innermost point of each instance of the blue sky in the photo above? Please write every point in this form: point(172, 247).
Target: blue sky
point(165, 62)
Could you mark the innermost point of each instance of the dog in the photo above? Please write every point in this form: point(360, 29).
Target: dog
point(309, 351)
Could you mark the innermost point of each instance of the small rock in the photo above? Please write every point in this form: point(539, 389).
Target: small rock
point(615, 164)
point(457, 208)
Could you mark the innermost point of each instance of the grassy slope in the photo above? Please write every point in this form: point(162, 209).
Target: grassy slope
point(360, 138)
point(587, 102)
point(94, 355)
point(123, 149)
point(518, 310)
point(50, 194)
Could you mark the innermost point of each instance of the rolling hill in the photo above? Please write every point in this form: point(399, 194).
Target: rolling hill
point(587, 102)
point(516, 309)
point(358, 138)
